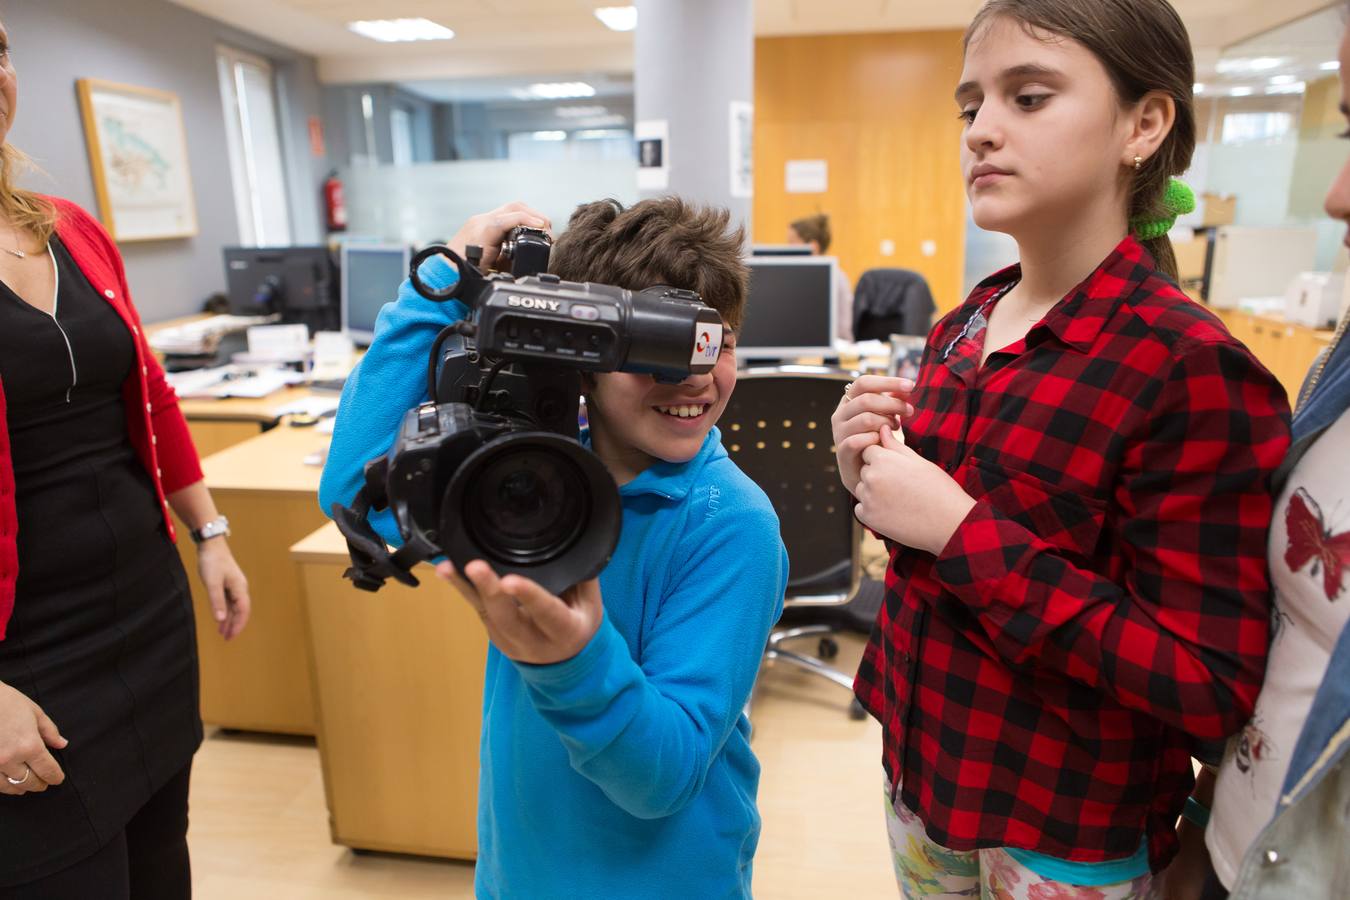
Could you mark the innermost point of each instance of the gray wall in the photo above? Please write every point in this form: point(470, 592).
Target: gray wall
point(153, 43)
point(694, 97)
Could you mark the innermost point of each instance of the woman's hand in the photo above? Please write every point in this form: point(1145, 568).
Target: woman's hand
point(487, 230)
point(907, 498)
point(25, 735)
point(226, 586)
point(871, 402)
point(523, 620)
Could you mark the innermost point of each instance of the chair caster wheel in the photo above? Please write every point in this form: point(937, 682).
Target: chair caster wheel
point(856, 711)
point(828, 648)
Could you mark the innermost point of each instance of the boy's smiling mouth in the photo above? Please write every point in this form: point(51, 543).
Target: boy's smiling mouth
point(684, 410)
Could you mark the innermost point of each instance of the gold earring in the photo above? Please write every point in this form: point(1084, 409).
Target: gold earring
point(1138, 163)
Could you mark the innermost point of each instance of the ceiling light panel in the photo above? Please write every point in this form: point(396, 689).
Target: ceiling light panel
point(618, 18)
point(390, 31)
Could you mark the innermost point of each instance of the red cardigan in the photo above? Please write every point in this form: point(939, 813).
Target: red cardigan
point(155, 424)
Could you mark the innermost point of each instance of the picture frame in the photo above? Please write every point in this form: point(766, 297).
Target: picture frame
point(906, 354)
point(139, 160)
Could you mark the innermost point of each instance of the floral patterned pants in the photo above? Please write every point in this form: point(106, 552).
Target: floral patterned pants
point(924, 869)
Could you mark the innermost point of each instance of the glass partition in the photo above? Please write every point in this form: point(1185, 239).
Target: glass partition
point(428, 202)
point(1268, 121)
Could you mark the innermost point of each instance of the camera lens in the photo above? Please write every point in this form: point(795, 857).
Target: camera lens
point(532, 503)
point(526, 505)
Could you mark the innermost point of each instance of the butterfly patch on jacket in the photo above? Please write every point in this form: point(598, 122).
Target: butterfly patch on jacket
point(1311, 541)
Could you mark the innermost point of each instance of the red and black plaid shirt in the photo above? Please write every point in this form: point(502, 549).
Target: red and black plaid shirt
point(1104, 606)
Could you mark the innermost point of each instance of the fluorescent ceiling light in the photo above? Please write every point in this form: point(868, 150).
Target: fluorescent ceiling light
point(1297, 87)
point(393, 30)
point(600, 134)
point(549, 135)
point(1330, 66)
point(1240, 92)
point(554, 90)
point(618, 18)
point(1197, 88)
point(579, 112)
point(1282, 79)
point(1258, 64)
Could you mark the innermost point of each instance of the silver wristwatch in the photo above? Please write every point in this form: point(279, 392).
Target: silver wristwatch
point(215, 528)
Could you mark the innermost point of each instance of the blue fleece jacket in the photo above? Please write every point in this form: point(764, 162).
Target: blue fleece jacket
point(625, 771)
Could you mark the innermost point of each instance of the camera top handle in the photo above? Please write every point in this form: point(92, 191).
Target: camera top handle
point(466, 288)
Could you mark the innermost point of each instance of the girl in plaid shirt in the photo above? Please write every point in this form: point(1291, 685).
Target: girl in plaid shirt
point(1077, 504)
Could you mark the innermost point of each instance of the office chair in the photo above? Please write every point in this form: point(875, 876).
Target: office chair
point(891, 301)
point(777, 429)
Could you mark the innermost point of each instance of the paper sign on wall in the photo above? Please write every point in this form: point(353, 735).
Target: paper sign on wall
point(742, 155)
point(653, 151)
point(807, 176)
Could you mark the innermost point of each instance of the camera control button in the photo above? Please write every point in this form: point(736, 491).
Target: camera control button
point(549, 278)
point(584, 312)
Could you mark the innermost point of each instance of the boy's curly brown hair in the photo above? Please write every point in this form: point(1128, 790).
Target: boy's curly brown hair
point(663, 241)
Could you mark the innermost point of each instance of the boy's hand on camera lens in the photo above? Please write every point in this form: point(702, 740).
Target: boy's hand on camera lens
point(525, 621)
point(873, 401)
point(487, 230)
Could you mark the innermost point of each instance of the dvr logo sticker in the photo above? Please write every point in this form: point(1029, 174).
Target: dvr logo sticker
point(707, 343)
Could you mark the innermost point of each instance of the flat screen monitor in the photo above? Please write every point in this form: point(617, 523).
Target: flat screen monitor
point(371, 274)
point(297, 282)
point(790, 310)
point(780, 249)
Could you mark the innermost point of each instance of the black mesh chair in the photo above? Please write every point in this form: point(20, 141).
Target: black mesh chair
point(777, 429)
point(891, 301)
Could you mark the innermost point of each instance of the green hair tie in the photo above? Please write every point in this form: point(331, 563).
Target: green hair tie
point(1177, 200)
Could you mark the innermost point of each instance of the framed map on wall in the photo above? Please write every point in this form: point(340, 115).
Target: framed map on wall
point(138, 154)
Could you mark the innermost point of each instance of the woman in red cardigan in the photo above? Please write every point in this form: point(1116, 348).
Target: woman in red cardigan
point(98, 665)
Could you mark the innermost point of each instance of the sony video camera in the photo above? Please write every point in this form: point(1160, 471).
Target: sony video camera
point(491, 467)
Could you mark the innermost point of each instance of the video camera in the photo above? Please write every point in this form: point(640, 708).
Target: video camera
point(491, 466)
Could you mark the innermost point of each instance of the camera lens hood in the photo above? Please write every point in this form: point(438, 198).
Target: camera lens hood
point(533, 503)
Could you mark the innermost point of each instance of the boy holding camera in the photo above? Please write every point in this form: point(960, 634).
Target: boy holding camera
point(615, 758)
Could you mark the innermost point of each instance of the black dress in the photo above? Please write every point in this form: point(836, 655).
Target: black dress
point(102, 634)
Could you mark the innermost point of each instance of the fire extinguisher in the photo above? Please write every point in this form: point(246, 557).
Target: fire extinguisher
point(334, 205)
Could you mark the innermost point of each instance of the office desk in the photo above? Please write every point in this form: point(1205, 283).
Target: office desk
point(260, 680)
point(398, 679)
point(219, 424)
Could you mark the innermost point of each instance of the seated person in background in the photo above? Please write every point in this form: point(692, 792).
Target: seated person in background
point(815, 230)
point(615, 758)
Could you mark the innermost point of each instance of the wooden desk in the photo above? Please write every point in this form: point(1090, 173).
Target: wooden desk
point(398, 679)
point(260, 680)
point(219, 424)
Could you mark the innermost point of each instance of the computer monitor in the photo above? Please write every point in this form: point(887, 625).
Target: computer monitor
point(790, 309)
point(297, 282)
point(371, 274)
point(780, 250)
